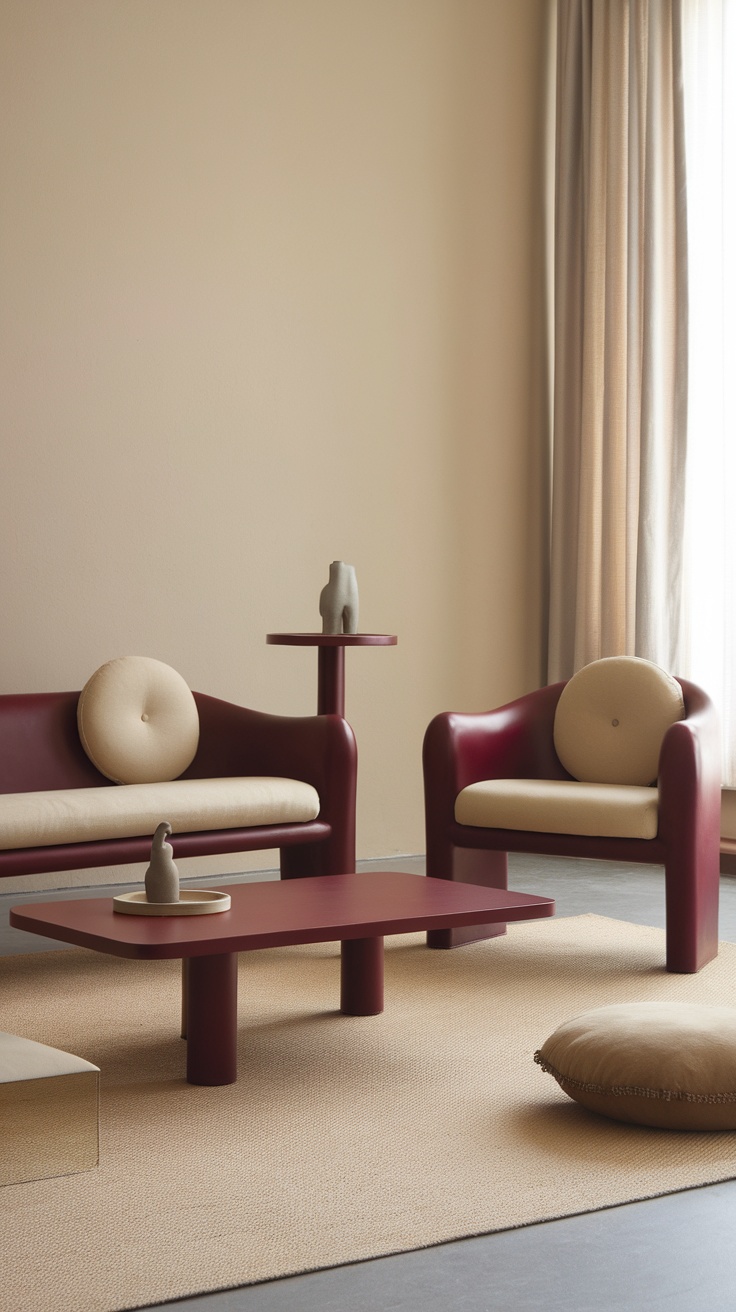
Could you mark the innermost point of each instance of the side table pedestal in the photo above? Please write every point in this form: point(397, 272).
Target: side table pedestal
point(331, 661)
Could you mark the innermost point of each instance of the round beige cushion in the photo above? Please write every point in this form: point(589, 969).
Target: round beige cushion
point(666, 1064)
point(138, 721)
point(611, 719)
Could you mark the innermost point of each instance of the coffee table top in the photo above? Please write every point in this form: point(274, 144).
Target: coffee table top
point(279, 913)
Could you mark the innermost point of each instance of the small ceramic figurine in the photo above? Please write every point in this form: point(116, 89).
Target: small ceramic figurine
point(338, 600)
point(162, 876)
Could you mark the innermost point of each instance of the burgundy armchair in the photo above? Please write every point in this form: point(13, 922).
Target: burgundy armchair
point(509, 761)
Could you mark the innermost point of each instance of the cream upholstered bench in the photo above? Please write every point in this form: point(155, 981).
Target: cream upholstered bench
point(49, 1108)
point(86, 778)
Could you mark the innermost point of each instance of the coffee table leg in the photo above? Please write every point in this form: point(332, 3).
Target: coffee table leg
point(212, 1019)
point(361, 976)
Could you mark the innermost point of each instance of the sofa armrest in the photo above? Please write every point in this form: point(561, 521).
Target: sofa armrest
point(319, 749)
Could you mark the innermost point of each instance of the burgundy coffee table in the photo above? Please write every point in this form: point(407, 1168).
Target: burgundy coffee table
point(358, 910)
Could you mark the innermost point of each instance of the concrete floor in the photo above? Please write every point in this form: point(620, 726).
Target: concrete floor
point(676, 1252)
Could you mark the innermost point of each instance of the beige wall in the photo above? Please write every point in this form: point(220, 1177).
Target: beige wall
point(272, 294)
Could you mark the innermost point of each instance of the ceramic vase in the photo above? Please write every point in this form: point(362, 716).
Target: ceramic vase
point(338, 600)
point(162, 877)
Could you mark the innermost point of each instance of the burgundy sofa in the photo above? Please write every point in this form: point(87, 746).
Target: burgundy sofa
point(40, 750)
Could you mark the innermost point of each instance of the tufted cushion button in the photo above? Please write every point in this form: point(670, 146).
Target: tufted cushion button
point(127, 743)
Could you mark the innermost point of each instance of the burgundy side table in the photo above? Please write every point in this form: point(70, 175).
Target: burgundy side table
point(331, 661)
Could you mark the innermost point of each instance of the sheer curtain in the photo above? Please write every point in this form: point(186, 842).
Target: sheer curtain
point(709, 68)
point(620, 380)
point(643, 541)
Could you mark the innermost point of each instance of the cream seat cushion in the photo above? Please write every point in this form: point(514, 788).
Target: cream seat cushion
point(611, 719)
point(559, 806)
point(83, 815)
point(666, 1064)
point(138, 721)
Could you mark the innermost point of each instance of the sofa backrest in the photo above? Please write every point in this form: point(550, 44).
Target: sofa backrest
point(40, 746)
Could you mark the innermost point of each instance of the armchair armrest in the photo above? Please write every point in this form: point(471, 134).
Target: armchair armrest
point(514, 741)
point(689, 779)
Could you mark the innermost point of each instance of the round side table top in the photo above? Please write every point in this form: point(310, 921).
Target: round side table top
point(332, 639)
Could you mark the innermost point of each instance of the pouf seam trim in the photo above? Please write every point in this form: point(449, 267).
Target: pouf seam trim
point(624, 1090)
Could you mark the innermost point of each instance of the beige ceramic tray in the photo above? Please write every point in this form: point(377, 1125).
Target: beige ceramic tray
point(192, 902)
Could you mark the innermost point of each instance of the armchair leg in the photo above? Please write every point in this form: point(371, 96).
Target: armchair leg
point(692, 889)
point(468, 866)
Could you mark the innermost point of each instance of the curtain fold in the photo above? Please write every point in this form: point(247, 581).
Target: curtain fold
point(621, 351)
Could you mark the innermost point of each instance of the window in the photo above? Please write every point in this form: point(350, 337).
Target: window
point(709, 56)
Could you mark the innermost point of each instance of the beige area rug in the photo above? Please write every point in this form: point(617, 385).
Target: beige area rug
point(343, 1138)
